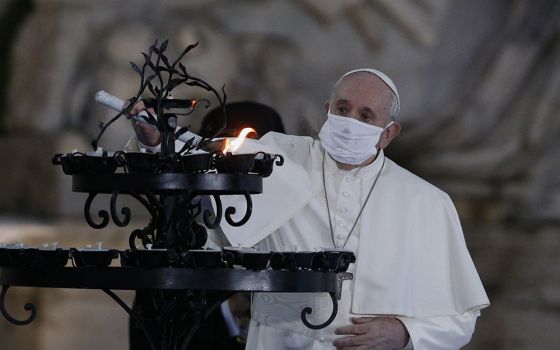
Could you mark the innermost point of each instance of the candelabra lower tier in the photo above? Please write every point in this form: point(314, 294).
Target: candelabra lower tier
point(185, 296)
point(133, 278)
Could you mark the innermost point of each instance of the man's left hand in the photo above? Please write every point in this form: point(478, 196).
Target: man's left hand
point(383, 333)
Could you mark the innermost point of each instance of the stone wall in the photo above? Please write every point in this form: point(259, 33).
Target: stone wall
point(479, 84)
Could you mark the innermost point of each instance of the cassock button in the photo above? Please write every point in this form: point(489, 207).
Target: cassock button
point(340, 237)
point(348, 179)
point(322, 339)
point(343, 210)
point(346, 194)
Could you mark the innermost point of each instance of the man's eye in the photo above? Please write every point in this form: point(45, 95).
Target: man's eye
point(341, 110)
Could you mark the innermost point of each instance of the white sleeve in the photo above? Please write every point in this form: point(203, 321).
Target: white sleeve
point(150, 149)
point(134, 145)
point(441, 332)
point(216, 239)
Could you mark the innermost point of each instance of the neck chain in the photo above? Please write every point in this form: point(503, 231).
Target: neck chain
point(361, 209)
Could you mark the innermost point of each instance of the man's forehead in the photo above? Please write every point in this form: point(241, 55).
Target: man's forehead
point(363, 83)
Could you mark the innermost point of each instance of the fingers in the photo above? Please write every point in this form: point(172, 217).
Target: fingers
point(144, 127)
point(146, 134)
point(351, 329)
point(359, 320)
point(152, 111)
point(352, 341)
point(137, 108)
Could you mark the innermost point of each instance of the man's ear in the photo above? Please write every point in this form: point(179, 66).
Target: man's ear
point(326, 105)
point(389, 135)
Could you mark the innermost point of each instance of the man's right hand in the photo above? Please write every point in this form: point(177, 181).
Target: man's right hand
point(145, 134)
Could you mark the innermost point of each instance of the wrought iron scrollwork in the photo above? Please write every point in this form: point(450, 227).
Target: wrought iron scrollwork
point(103, 214)
point(27, 307)
point(218, 216)
point(125, 211)
point(231, 210)
point(308, 311)
point(146, 235)
point(279, 159)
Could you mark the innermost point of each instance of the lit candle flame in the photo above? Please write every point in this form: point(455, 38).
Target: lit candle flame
point(232, 146)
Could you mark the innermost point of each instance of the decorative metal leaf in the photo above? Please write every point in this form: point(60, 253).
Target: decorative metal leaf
point(185, 51)
point(174, 83)
point(151, 119)
point(183, 69)
point(150, 78)
point(151, 49)
point(151, 88)
point(163, 46)
point(197, 83)
point(187, 145)
point(181, 131)
point(136, 68)
point(165, 60)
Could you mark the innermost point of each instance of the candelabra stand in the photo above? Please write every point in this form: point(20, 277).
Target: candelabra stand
point(181, 191)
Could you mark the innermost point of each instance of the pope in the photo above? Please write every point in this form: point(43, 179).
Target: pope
point(415, 285)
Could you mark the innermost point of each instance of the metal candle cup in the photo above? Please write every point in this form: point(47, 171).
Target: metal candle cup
point(22, 257)
point(283, 261)
point(196, 162)
point(72, 163)
point(144, 257)
point(18, 257)
point(200, 258)
point(93, 257)
point(52, 257)
point(236, 254)
point(100, 164)
point(256, 260)
point(339, 260)
point(264, 163)
point(235, 163)
point(141, 162)
point(4, 257)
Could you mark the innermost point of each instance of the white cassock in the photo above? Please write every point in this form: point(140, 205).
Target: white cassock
point(412, 261)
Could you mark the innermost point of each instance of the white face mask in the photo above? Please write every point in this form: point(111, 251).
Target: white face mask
point(348, 140)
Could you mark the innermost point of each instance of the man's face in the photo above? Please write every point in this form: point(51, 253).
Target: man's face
point(364, 97)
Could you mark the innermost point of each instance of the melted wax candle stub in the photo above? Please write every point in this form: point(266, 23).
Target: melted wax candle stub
point(109, 100)
point(117, 105)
